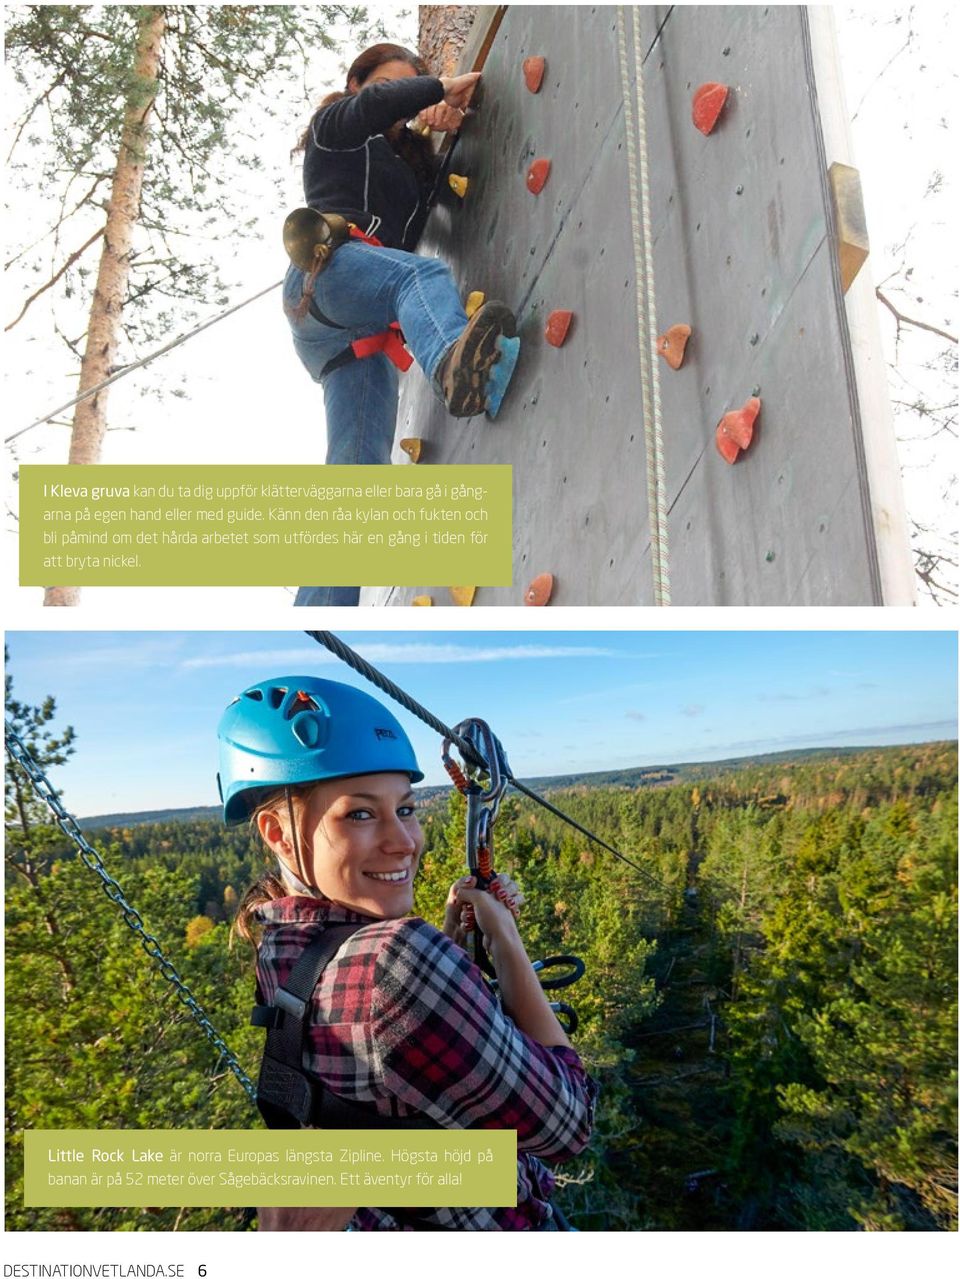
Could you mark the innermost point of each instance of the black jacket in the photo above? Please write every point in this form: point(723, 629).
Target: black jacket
point(350, 168)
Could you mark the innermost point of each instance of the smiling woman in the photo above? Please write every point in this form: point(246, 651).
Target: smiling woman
point(324, 773)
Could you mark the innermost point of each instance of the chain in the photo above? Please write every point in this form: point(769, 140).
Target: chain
point(131, 917)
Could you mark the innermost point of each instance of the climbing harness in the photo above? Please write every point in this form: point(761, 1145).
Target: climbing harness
point(132, 918)
point(287, 1096)
point(311, 238)
point(642, 231)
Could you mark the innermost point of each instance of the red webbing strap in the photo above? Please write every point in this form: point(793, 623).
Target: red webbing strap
point(391, 341)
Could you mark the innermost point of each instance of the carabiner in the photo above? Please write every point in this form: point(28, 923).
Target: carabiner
point(483, 787)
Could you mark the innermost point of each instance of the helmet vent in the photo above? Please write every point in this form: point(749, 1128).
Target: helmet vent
point(310, 729)
point(254, 694)
point(275, 696)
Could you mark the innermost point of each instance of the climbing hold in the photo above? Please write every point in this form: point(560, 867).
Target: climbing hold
point(413, 448)
point(735, 430)
point(462, 596)
point(533, 69)
point(708, 102)
point(539, 591)
point(499, 376)
point(458, 184)
point(672, 344)
point(474, 302)
point(558, 325)
point(537, 176)
point(422, 601)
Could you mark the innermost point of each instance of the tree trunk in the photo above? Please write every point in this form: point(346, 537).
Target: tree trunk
point(103, 329)
point(443, 33)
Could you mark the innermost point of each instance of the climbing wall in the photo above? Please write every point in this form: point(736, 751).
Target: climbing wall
point(743, 254)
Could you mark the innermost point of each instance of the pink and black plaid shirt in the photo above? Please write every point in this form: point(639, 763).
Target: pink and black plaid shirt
point(403, 1020)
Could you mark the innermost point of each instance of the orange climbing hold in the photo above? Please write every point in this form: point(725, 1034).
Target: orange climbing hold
point(458, 184)
point(413, 448)
point(533, 69)
point(537, 176)
point(672, 344)
point(558, 326)
point(735, 430)
point(708, 102)
point(539, 591)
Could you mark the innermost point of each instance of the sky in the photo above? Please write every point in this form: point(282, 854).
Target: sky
point(245, 383)
point(145, 705)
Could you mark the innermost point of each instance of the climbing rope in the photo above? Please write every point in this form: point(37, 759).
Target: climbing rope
point(139, 364)
point(353, 659)
point(641, 228)
point(132, 918)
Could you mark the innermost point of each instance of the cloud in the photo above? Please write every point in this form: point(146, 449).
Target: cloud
point(693, 711)
point(637, 715)
point(420, 653)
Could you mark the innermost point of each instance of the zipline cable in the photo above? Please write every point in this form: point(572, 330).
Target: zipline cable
point(642, 231)
point(353, 659)
point(139, 364)
point(131, 917)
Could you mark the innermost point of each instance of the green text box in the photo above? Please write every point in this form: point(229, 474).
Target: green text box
point(235, 1168)
point(265, 525)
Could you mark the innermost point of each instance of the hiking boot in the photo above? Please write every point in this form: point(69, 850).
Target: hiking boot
point(469, 377)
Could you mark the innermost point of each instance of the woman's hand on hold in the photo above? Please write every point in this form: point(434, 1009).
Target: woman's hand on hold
point(442, 118)
point(458, 89)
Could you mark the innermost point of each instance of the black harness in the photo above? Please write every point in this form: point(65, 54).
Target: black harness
point(287, 1095)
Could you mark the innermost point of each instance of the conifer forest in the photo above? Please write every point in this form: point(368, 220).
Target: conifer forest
point(769, 1001)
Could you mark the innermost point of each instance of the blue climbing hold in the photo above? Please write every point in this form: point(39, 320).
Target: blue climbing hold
point(498, 379)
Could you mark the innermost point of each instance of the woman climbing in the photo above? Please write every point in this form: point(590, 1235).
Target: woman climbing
point(354, 279)
point(400, 1027)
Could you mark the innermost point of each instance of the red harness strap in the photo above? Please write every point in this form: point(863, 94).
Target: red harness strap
point(391, 340)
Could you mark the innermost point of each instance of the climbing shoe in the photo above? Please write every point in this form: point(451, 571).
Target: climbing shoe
point(477, 369)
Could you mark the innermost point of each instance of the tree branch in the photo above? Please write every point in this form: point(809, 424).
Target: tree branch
point(906, 319)
point(52, 281)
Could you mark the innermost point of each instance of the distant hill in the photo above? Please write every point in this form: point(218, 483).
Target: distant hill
point(630, 778)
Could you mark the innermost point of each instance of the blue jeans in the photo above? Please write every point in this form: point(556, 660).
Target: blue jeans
point(364, 289)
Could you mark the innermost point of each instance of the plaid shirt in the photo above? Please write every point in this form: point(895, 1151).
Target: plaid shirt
point(403, 1021)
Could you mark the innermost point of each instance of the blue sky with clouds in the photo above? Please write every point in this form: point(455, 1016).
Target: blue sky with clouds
point(146, 704)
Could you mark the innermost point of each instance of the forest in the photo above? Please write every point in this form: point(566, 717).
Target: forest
point(769, 1002)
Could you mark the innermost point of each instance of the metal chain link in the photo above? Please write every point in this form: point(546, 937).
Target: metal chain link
point(131, 917)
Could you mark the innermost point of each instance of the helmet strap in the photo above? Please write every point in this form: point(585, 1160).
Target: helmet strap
point(294, 835)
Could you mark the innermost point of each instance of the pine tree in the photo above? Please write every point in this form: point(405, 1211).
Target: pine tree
point(142, 116)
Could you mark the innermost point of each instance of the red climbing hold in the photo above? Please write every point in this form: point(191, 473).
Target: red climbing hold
point(558, 326)
point(533, 69)
point(735, 430)
point(672, 344)
point(539, 591)
point(537, 176)
point(708, 102)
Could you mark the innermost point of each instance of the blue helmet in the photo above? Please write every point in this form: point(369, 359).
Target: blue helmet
point(298, 728)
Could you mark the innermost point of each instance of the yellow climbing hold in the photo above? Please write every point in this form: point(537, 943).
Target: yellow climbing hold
point(474, 302)
point(413, 447)
point(462, 596)
point(458, 184)
point(422, 601)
